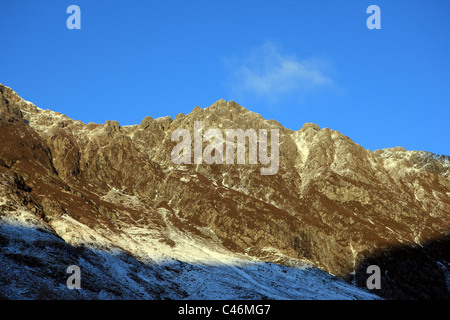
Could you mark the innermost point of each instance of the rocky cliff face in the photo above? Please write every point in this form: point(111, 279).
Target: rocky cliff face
point(332, 203)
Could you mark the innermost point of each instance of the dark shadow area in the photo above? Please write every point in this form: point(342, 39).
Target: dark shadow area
point(410, 272)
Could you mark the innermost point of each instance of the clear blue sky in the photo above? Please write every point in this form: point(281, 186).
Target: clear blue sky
point(292, 61)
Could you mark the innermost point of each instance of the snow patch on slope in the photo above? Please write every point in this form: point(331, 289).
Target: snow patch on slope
point(34, 264)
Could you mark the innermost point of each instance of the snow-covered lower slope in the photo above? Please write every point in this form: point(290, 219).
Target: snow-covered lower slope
point(34, 260)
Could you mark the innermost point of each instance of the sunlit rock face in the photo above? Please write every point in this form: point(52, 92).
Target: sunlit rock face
point(331, 204)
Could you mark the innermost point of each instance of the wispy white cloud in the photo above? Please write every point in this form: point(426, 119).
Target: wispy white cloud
point(267, 73)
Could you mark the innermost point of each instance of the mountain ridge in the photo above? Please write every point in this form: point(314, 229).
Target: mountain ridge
point(332, 204)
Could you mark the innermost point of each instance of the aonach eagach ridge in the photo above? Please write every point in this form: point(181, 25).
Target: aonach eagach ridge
point(109, 199)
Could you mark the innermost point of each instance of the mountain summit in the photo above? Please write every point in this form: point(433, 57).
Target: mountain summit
point(332, 205)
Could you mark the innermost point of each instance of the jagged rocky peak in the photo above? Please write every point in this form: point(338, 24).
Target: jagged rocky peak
point(221, 110)
point(308, 125)
point(223, 105)
point(9, 104)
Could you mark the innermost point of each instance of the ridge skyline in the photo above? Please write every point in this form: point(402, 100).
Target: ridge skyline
point(172, 118)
